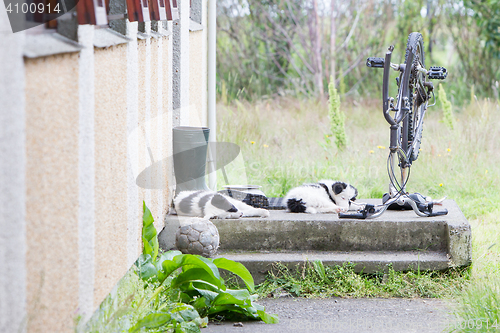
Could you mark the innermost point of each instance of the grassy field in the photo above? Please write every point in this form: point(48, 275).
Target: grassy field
point(286, 142)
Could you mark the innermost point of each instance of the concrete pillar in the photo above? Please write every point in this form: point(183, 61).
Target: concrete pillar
point(12, 180)
point(86, 172)
point(133, 213)
point(180, 69)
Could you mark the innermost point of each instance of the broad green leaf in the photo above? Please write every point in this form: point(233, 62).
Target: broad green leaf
point(184, 312)
point(164, 256)
point(149, 235)
point(190, 327)
point(231, 308)
point(190, 260)
point(196, 274)
point(226, 298)
point(236, 268)
point(143, 258)
point(147, 271)
point(169, 255)
point(241, 294)
point(209, 294)
point(148, 249)
point(201, 303)
point(199, 284)
point(202, 321)
point(152, 320)
point(185, 297)
point(267, 318)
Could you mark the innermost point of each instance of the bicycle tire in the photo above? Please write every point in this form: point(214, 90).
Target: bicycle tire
point(417, 103)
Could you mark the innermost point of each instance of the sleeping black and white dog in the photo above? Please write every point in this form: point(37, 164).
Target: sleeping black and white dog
point(209, 204)
point(326, 196)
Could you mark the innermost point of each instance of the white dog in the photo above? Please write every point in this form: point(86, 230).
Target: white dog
point(209, 204)
point(326, 196)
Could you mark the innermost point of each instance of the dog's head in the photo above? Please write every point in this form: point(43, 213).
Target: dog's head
point(343, 194)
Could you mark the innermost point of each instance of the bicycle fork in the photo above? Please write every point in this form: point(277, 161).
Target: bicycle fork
point(393, 161)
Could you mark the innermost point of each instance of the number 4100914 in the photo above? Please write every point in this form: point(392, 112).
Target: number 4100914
point(32, 8)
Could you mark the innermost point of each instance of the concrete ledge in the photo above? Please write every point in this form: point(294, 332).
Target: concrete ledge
point(400, 238)
point(46, 44)
point(259, 263)
point(107, 37)
point(393, 231)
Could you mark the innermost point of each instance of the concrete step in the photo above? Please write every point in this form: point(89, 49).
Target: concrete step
point(259, 263)
point(398, 237)
point(393, 231)
point(396, 231)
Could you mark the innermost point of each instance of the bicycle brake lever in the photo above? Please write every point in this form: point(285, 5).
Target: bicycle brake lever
point(441, 212)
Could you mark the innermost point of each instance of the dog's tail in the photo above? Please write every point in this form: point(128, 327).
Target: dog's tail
point(296, 206)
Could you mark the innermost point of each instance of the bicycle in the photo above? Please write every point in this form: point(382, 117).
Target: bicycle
point(414, 92)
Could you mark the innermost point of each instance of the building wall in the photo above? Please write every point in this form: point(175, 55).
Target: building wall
point(110, 125)
point(78, 130)
point(52, 191)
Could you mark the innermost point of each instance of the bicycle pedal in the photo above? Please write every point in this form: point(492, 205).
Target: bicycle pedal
point(375, 62)
point(437, 73)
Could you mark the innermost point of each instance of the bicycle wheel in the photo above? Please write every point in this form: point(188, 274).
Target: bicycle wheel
point(417, 95)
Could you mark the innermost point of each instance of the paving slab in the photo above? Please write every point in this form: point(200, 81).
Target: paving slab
point(347, 315)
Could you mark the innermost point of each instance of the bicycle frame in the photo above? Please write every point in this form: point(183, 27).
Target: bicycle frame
point(402, 109)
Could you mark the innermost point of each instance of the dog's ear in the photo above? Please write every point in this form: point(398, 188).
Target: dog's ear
point(338, 187)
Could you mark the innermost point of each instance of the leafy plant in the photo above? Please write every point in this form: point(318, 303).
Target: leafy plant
point(337, 117)
point(199, 286)
point(447, 108)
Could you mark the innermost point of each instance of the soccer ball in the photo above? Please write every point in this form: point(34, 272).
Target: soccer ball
point(199, 237)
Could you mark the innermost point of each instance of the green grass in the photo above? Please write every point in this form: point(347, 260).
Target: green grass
point(342, 281)
point(122, 308)
point(286, 142)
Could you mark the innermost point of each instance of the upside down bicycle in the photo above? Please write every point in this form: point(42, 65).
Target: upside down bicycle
point(409, 107)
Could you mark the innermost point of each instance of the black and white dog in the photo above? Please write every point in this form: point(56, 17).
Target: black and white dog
point(209, 204)
point(326, 196)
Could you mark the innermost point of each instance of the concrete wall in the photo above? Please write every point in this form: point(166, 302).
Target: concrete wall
point(13, 242)
point(76, 131)
point(52, 191)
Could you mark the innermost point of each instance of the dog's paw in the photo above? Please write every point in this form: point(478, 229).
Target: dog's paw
point(236, 215)
point(311, 210)
point(264, 212)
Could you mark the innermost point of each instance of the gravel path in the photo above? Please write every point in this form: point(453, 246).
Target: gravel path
point(347, 315)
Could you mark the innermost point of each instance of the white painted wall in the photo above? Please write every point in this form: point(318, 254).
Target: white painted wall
point(12, 180)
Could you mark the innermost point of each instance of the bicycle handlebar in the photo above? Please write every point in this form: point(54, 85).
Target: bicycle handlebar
point(372, 211)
